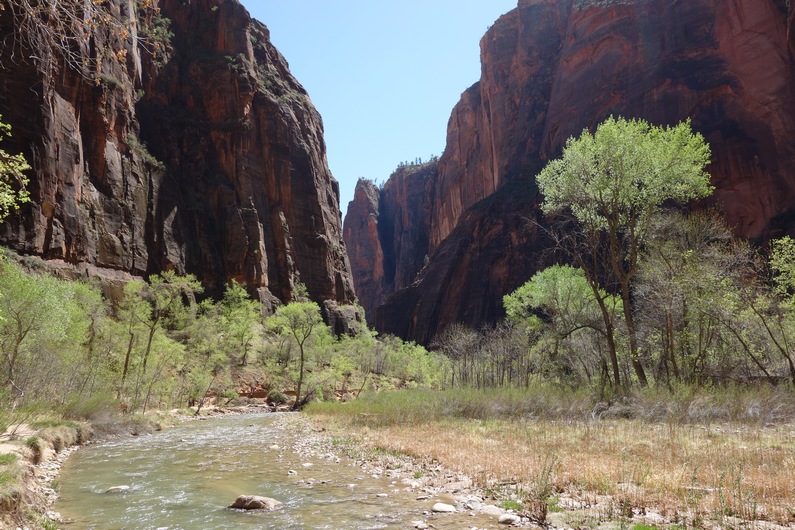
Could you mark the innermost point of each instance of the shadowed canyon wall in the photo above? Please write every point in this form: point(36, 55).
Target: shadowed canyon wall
point(206, 158)
point(551, 68)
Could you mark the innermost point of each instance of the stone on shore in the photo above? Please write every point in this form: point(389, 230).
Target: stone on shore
point(441, 507)
point(509, 518)
point(255, 502)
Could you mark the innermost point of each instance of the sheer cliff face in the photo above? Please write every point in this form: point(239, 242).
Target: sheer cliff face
point(551, 68)
point(209, 159)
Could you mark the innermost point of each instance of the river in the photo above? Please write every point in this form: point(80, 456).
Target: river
point(185, 477)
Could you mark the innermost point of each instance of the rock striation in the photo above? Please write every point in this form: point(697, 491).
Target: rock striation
point(551, 68)
point(196, 151)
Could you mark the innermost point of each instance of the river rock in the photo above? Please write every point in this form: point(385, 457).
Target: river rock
point(441, 507)
point(255, 502)
point(490, 509)
point(509, 518)
point(473, 505)
point(118, 489)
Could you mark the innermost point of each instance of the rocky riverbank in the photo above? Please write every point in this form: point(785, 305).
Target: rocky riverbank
point(441, 490)
point(437, 491)
point(34, 456)
point(434, 495)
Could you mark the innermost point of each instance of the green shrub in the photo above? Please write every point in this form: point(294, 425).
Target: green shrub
point(277, 397)
point(35, 444)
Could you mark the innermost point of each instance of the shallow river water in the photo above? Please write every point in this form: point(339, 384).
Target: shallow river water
point(185, 477)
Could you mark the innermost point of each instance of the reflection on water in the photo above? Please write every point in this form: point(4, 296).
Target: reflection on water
point(185, 477)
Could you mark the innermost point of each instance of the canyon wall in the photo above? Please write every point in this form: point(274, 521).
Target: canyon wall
point(196, 152)
point(551, 68)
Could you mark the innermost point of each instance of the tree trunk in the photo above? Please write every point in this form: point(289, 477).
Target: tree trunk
point(633, 336)
point(126, 363)
point(300, 383)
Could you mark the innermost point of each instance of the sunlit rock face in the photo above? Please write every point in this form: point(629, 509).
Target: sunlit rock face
point(550, 69)
point(209, 159)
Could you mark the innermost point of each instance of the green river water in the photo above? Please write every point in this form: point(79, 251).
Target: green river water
point(185, 477)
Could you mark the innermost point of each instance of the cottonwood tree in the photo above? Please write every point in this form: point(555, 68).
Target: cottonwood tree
point(44, 330)
point(610, 184)
point(148, 310)
point(558, 305)
point(298, 322)
point(775, 312)
point(240, 322)
point(692, 279)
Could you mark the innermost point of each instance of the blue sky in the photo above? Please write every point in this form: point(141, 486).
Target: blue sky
point(384, 75)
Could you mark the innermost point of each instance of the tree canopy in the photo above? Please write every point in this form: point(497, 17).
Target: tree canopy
point(611, 184)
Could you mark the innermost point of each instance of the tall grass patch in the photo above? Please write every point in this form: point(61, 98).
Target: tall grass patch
point(692, 455)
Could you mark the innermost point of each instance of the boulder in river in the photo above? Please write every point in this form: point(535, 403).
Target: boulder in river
point(255, 502)
point(118, 489)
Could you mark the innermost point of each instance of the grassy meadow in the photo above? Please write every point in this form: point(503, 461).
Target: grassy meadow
point(688, 459)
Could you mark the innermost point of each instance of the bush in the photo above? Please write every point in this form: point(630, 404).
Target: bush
point(277, 397)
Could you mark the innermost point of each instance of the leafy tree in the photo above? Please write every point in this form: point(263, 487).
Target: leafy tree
point(689, 292)
point(611, 184)
point(777, 314)
point(240, 321)
point(12, 176)
point(569, 313)
point(298, 321)
point(148, 310)
point(45, 335)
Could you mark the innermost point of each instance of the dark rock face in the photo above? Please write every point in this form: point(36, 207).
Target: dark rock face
point(552, 68)
point(209, 160)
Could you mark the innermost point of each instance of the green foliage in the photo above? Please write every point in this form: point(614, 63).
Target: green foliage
point(12, 177)
point(691, 292)
point(139, 148)
point(618, 178)
point(64, 349)
point(299, 322)
point(277, 397)
point(510, 504)
point(156, 30)
point(562, 293)
point(612, 184)
point(782, 261)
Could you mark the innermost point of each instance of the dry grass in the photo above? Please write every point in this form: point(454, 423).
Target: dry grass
point(686, 473)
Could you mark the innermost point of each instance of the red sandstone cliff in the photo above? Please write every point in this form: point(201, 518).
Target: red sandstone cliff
point(551, 68)
point(208, 159)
